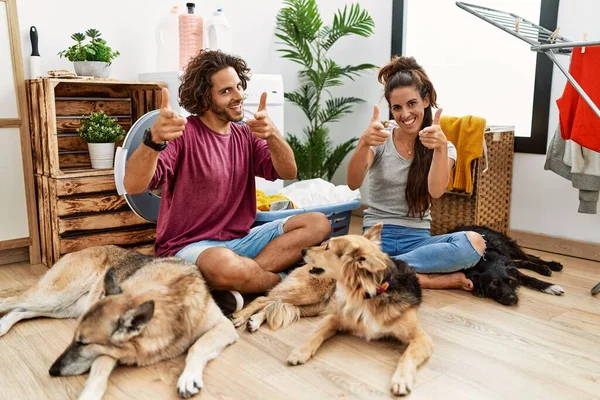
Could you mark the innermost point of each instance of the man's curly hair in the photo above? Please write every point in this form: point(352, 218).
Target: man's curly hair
point(194, 90)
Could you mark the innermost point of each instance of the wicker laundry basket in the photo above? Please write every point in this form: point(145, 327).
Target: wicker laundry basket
point(489, 204)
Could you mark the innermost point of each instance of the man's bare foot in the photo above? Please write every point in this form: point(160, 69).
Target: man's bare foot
point(455, 280)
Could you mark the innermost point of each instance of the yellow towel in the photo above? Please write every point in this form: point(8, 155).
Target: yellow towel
point(466, 133)
point(263, 202)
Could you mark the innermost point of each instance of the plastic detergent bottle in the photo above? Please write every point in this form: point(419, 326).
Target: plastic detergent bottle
point(219, 32)
point(167, 41)
point(191, 35)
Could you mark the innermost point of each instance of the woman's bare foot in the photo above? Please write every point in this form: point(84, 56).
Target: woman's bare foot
point(455, 280)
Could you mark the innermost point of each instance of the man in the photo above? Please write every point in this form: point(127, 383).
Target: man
point(207, 173)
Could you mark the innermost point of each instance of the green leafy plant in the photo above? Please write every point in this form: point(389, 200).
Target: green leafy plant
point(100, 128)
point(95, 50)
point(307, 41)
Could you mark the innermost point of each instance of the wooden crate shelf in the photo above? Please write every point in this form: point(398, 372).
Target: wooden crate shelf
point(76, 213)
point(78, 206)
point(57, 107)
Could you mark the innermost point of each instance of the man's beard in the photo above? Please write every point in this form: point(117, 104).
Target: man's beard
point(224, 113)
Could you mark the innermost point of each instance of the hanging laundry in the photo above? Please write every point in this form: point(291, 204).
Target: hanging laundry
point(578, 121)
point(467, 134)
point(579, 165)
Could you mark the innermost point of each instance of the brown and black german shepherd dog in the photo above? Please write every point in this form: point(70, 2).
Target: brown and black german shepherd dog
point(132, 310)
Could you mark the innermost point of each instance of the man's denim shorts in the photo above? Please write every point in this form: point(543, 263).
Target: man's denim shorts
point(248, 246)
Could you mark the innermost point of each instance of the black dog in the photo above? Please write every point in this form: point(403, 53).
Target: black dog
point(496, 275)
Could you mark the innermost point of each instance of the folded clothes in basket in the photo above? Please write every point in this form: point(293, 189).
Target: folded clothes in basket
point(467, 135)
point(318, 192)
point(274, 202)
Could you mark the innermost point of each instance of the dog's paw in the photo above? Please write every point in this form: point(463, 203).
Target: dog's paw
point(238, 320)
point(555, 266)
point(5, 325)
point(299, 355)
point(544, 270)
point(253, 324)
point(90, 394)
point(189, 383)
point(555, 290)
point(403, 382)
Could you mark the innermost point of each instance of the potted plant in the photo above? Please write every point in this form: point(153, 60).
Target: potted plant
point(101, 132)
point(306, 41)
point(90, 59)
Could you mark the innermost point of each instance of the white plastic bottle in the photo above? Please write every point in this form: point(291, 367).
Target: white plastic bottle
point(167, 41)
point(219, 33)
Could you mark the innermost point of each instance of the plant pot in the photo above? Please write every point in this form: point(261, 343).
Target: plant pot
point(102, 155)
point(97, 69)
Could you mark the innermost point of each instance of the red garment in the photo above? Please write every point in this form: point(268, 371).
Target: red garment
point(578, 121)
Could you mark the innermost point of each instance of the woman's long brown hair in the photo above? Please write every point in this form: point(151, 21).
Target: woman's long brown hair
point(405, 72)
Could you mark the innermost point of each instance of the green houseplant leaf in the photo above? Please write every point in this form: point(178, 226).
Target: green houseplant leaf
point(348, 22)
point(95, 50)
point(100, 128)
point(305, 40)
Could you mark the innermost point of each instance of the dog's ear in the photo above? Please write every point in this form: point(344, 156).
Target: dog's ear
point(374, 233)
point(134, 320)
point(478, 290)
point(474, 277)
point(349, 248)
point(371, 264)
point(111, 286)
point(513, 275)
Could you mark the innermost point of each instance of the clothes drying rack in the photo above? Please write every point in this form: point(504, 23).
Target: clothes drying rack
point(541, 40)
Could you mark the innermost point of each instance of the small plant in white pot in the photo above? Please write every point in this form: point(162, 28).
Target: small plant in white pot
point(101, 132)
point(90, 59)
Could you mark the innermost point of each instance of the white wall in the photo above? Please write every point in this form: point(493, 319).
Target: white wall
point(8, 97)
point(129, 26)
point(13, 208)
point(472, 76)
point(543, 201)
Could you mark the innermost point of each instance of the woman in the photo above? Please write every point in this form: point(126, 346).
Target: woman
point(409, 163)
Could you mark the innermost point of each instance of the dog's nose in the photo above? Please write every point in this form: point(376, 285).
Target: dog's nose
point(54, 370)
point(510, 300)
point(303, 252)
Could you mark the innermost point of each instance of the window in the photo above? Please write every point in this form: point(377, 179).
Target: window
point(479, 69)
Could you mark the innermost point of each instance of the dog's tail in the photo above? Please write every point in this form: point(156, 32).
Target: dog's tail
point(280, 315)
